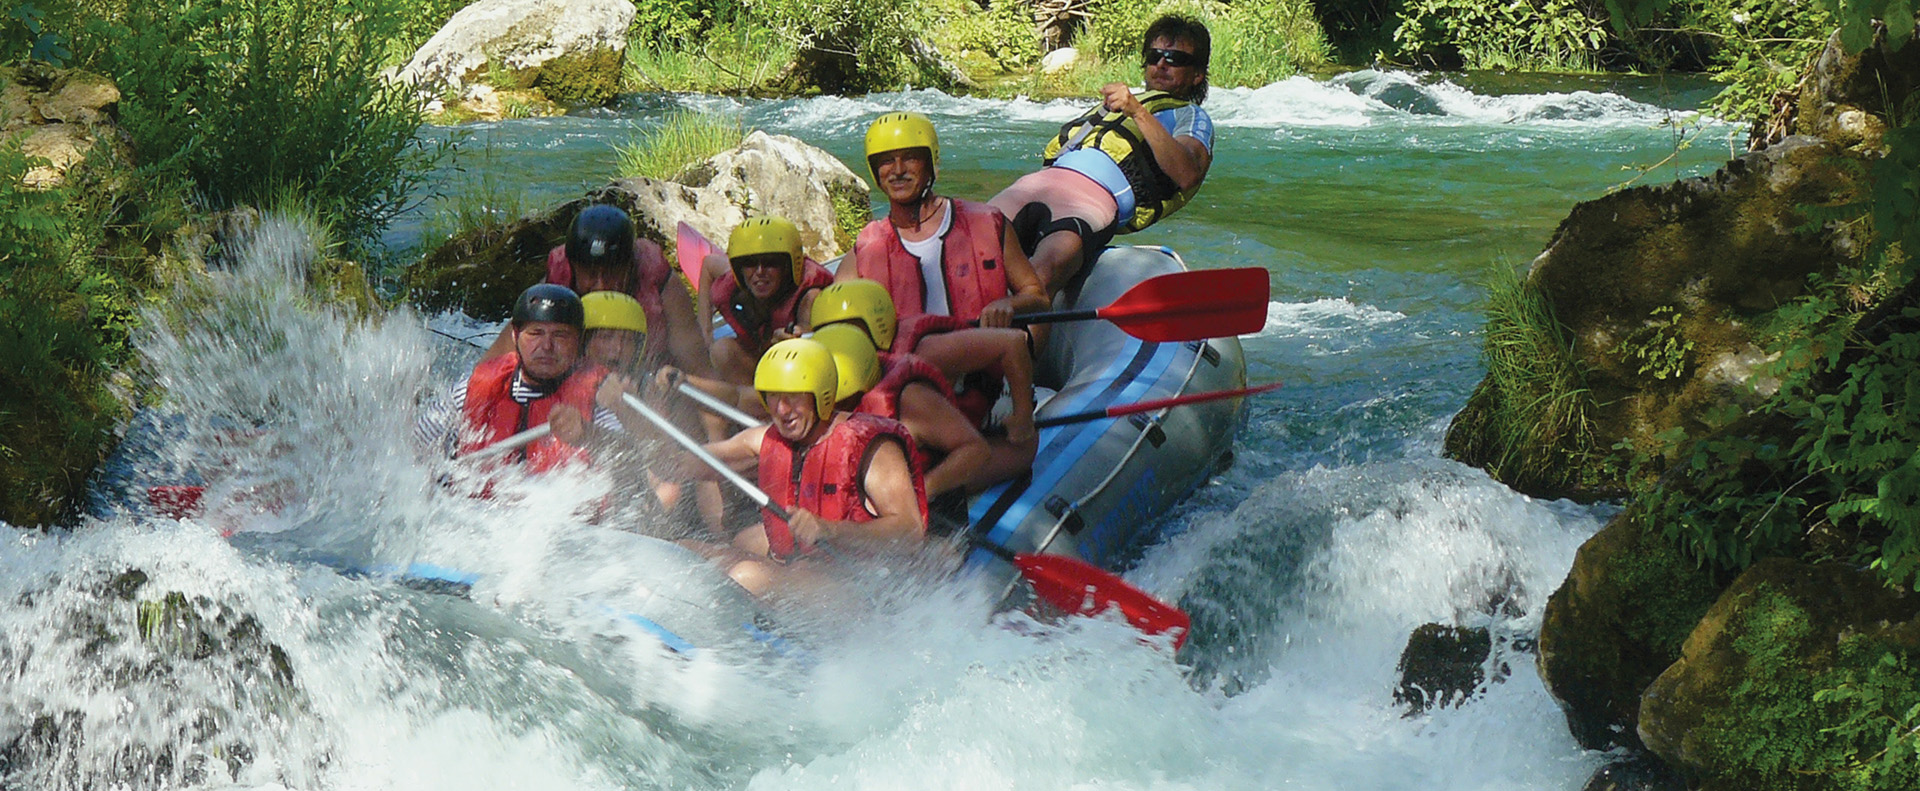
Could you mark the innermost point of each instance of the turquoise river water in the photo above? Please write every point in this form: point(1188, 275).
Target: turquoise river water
point(1379, 203)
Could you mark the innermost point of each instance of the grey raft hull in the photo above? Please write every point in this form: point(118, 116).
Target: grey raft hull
point(1098, 488)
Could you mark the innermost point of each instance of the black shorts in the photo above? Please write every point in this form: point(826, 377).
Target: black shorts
point(1035, 222)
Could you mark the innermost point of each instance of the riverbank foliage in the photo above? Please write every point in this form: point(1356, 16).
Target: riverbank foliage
point(684, 139)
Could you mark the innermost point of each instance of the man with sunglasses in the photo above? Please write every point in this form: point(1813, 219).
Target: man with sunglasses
point(1123, 165)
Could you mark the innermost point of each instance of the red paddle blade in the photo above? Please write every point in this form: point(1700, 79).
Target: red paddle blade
point(1185, 306)
point(176, 502)
point(690, 248)
point(1080, 588)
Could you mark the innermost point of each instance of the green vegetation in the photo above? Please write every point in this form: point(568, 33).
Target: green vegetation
point(1550, 35)
point(1255, 42)
point(247, 98)
point(1533, 430)
point(1811, 715)
point(480, 198)
point(685, 139)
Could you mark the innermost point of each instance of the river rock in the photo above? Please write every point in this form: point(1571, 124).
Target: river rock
point(571, 50)
point(80, 98)
point(1742, 692)
point(1659, 289)
point(483, 271)
point(1059, 60)
point(1635, 771)
point(1442, 666)
point(1616, 624)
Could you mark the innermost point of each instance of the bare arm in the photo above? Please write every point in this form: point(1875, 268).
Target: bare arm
point(1184, 159)
point(686, 338)
point(962, 352)
point(1028, 293)
point(849, 268)
point(937, 425)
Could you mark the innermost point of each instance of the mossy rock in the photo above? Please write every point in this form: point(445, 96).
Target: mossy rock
point(1660, 290)
point(1617, 622)
point(583, 80)
point(1751, 704)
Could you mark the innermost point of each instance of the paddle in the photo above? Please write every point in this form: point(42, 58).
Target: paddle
point(510, 444)
point(1071, 585)
point(1149, 406)
point(1180, 306)
point(718, 406)
point(690, 248)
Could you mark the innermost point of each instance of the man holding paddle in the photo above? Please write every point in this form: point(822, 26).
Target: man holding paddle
point(830, 479)
point(541, 381)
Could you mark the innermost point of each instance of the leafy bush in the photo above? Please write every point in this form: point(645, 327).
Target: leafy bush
point(683, 140)
point(715, 62)
point(65, 318)
point(1502, 34)
point(1255, 42)
point(247, 98)
point(1003, 33)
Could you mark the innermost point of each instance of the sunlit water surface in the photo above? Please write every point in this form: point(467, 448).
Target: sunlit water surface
point(1378, 201)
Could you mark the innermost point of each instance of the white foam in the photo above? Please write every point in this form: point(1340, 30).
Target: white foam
point(1323, 317)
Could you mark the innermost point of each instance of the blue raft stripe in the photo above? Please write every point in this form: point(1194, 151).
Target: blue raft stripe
point(989, 510)
point(673, 642)
point(1138, 378)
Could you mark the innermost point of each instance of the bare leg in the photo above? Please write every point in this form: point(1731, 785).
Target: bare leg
point(732, 363)
point(1056, 259)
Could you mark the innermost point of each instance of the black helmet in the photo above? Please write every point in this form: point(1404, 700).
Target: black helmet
point(601, 238)
point(548, 302)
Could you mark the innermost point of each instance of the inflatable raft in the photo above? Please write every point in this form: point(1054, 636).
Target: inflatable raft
point(1098, 488)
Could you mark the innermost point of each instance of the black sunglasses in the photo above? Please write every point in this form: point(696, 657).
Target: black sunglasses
point(1178, 59)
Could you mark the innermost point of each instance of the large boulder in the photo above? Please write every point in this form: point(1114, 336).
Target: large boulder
point(484, 270)
point(1750, 703)
point(1660, 290)
point(1847, 97)
point(1615, 624)
point(571, 50)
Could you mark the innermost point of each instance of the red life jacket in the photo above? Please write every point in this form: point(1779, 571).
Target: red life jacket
point(969, 255)
point(757, 338)
point(490, 408)
point(896, 372)
point(827, 477)
point(651, 276)
point(977, 391)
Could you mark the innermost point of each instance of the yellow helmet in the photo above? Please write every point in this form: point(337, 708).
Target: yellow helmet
point(853, 358)
point(766, 235)
point(858, 299)
point(895, 131)
point(612, 310)
point(798, 365)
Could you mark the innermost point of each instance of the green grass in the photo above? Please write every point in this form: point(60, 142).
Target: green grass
point(729, 60)
point(480, 198)
point(686, 138)
point(1534, 429)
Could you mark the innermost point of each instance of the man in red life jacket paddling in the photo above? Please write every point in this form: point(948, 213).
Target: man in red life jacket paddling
point(937, 255)
point(616, 340)
point(767, 296)
point(1123, 165)
point(976, 352)
point(542, 380)
point(602, 254)
point(846, 480)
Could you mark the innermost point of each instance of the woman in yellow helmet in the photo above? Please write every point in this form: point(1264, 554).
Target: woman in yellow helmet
point(616, 331)
point(767, 295)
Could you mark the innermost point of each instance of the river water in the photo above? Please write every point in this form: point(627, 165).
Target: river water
point(1379, 202)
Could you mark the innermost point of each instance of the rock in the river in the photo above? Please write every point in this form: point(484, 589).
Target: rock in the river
point(1615, 624)
point(571, 50)
point(484, 271)
point(1742, 706)
point(1660, 290)
point(1442, 666)
point(1636, 771)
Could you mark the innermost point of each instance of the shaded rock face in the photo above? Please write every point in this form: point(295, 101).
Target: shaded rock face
point(58, 113)
point(1615, 624)
point(125, 686)
point(1779, 625)
point(1442, 666)
point(1659, 289)
point(1636, 771)
point(484, 271)
point(570, 49)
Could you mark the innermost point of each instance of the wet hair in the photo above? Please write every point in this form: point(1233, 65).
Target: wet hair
point(1175, 27)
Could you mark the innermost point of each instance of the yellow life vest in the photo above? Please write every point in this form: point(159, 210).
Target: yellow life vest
point(1156, 194)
